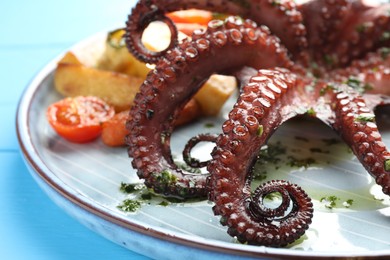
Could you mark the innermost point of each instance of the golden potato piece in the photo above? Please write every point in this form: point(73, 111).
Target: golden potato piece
point(214, 93)
point(120, 60)
point(117, 58)
point(70, 58)
point(77, 80)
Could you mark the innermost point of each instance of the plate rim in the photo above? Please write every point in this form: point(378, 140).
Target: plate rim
point(31, 156)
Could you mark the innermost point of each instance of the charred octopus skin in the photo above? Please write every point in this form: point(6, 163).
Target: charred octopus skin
point(281, 77)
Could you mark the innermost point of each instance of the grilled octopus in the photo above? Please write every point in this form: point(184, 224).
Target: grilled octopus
point(291, 60)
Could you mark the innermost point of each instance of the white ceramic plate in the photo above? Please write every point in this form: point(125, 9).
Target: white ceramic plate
point(84, 179)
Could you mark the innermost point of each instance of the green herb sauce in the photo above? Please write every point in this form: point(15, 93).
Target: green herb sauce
point(165, 177)
point(186, 167)
point(331, 141)
point(304, 162)
point(209, 125)
point(301, 138)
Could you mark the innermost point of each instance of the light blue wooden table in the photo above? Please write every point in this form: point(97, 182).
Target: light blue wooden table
point(31, 34)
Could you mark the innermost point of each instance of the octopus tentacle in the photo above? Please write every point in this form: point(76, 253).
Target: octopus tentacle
point(372, 72)
point(355, 122)
point(255, 116)
point(362, 29)
point(141, 17)
point(191, 143)
point(282, 17)
point(323, 19)
point(174, 81)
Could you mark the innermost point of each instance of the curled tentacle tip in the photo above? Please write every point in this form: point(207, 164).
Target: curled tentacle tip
point(193, 162)
point(135, 29)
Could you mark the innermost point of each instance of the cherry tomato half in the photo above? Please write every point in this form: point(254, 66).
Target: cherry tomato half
point(79, 119)
point(201, 17)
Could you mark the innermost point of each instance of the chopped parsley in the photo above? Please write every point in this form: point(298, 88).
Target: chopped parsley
point(270, 153)
point(164, 203)
point(261, 176)
point(141, 195)
point(348, 203)
point(260, 130)
point(387, 165)
point(304, 162)
point(131, 187)
point(329, 201)
point(365, 117)
point(209, 125)
point(311, 112)
point(165, 177)
point(384, 52)
point(147, 196)
point(358, 85)
point(129, 205)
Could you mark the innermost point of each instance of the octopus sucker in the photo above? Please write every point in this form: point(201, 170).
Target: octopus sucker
point(329, 59)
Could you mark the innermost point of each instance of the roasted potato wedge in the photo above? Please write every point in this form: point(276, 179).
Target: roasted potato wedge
point(78, 80)
point(70, 58)
point(117, 58)
point(214, 93)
